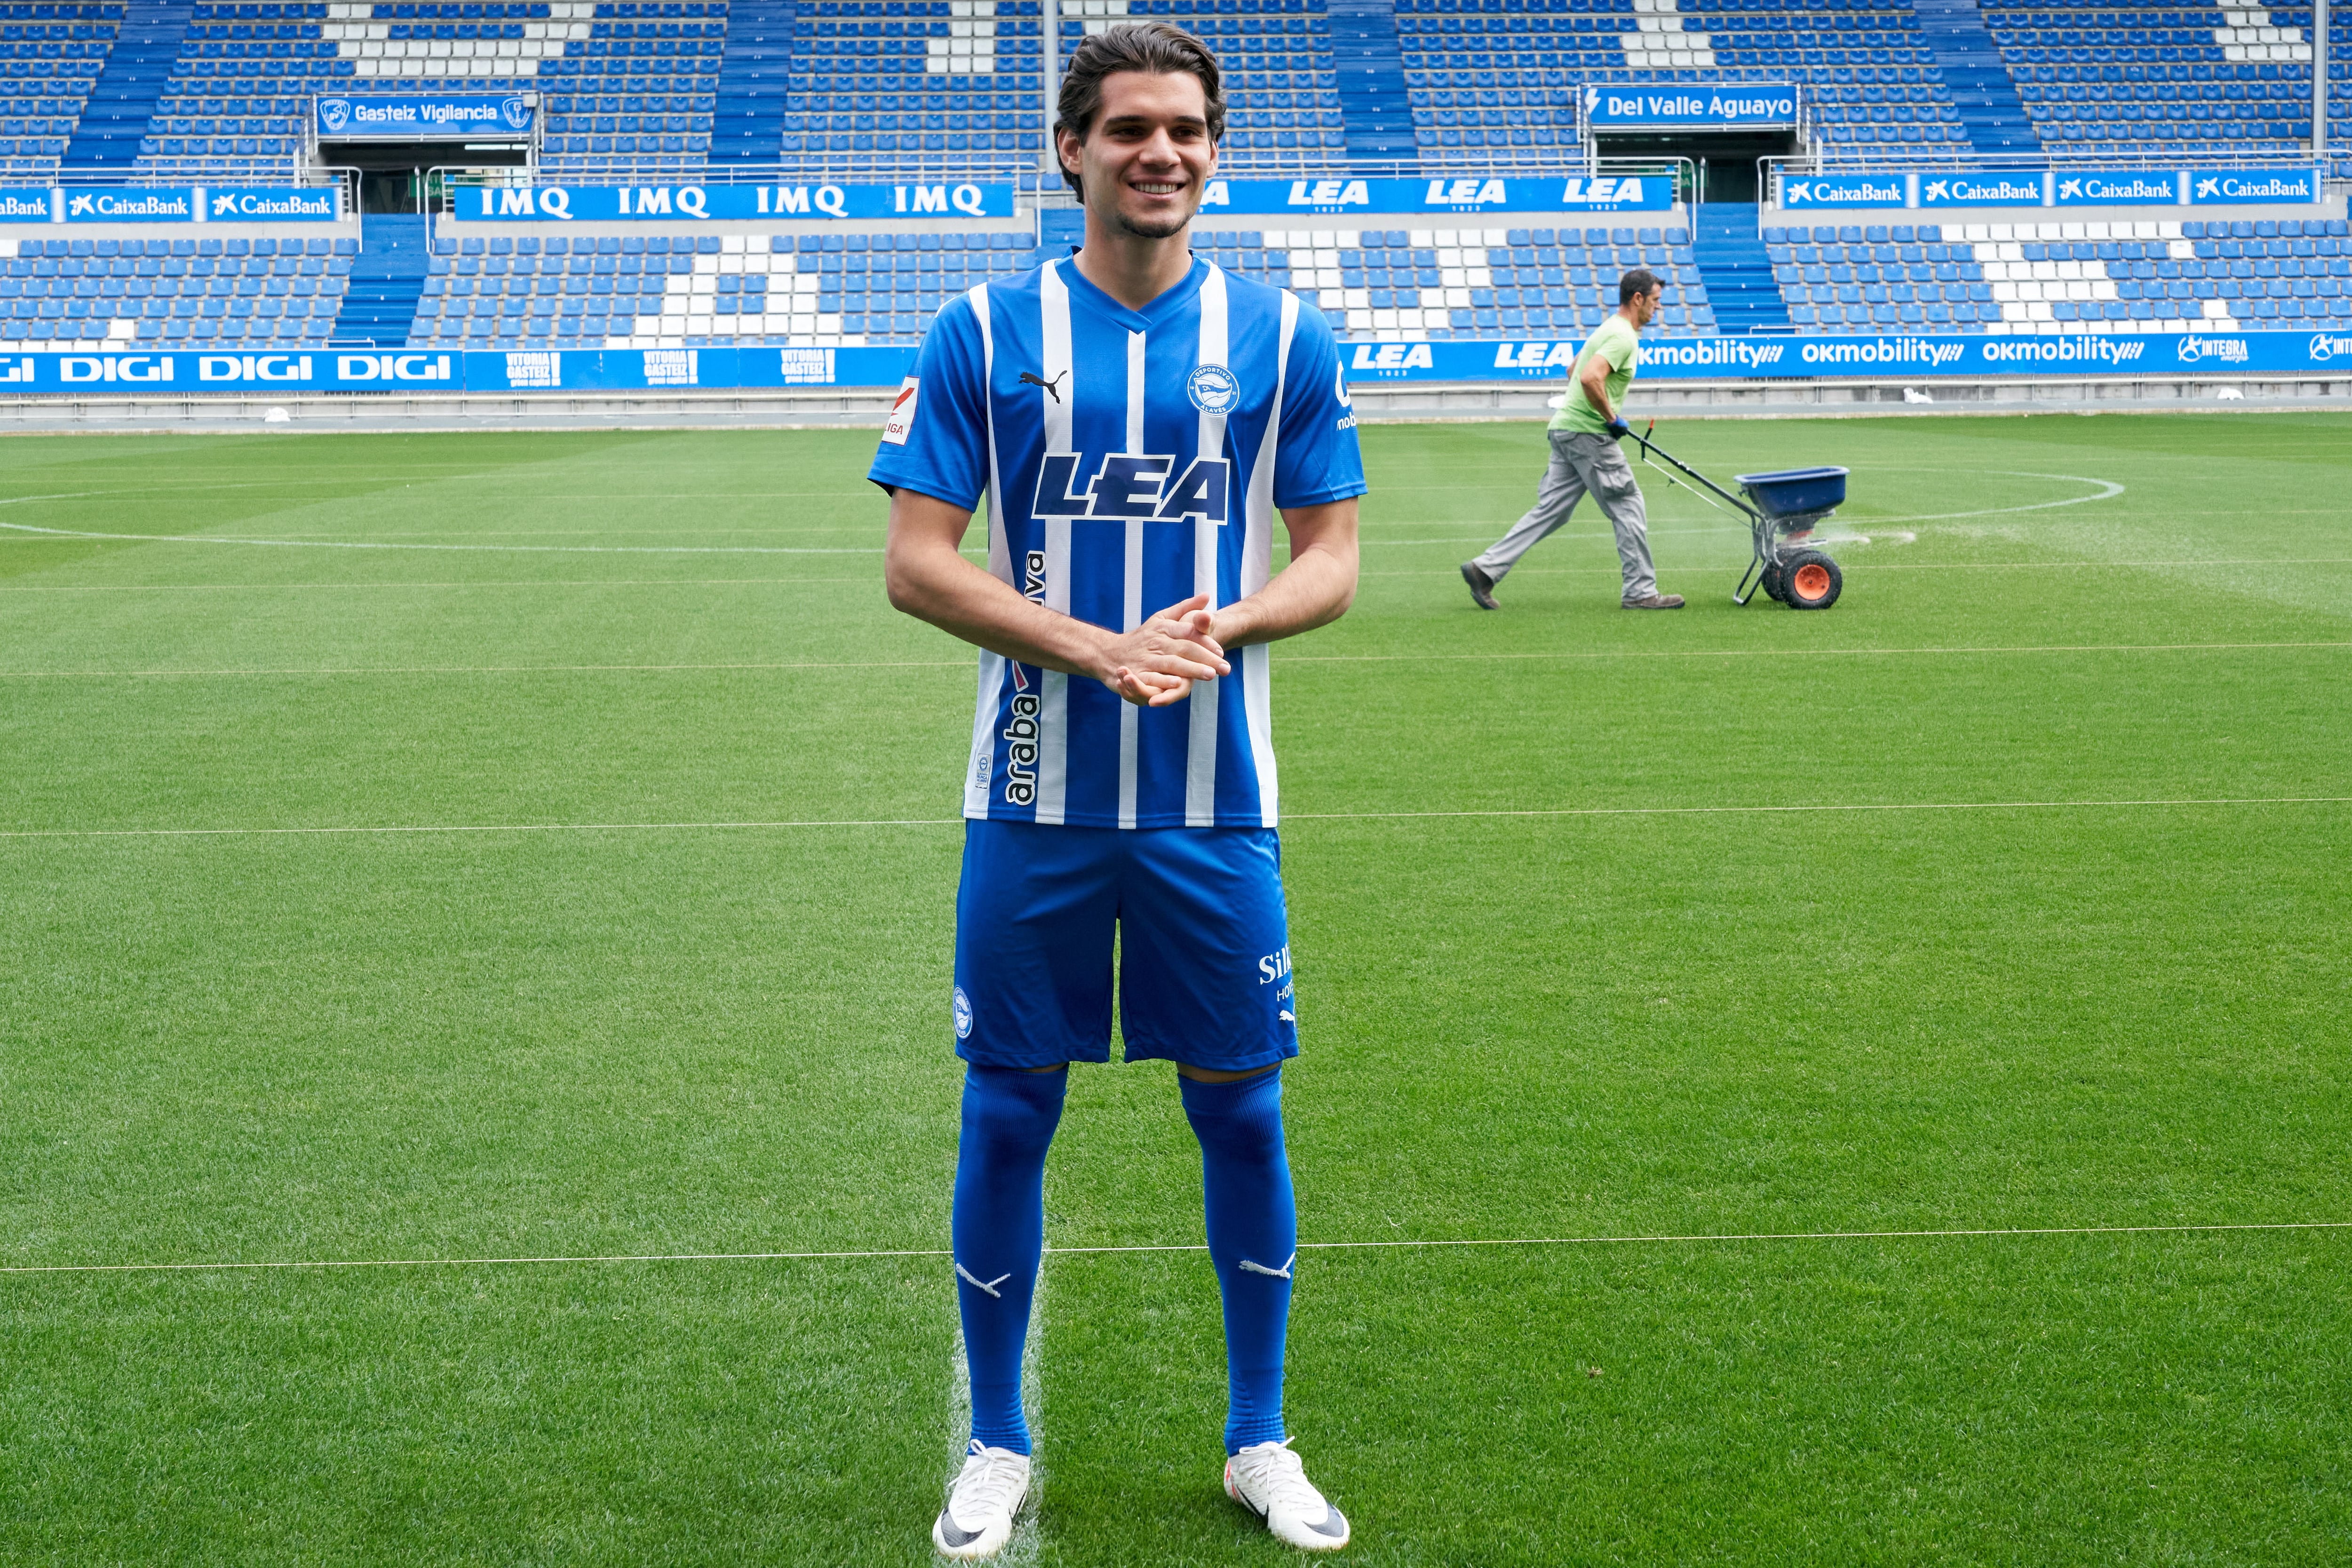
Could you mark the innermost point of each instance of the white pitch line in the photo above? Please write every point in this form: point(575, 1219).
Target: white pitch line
point(474, 827)
point(1799, 810)
point(468, 549)
point(1877, 565)
point(1955, 651)
point(485, 583)
point(1561, 811)
point(962, 664)
point(965, 664)
point(1670, 1239)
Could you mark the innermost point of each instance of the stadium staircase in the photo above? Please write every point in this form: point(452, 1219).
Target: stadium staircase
point(1976, 77)
point(123, 101)
point(1372, 93)
point(748, 125)
point(380, 306)
point(1736, 270)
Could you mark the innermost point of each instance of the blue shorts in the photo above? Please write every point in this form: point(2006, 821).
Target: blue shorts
point(1203, 951)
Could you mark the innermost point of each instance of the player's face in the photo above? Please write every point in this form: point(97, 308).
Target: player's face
point(1645, 306)
point(1148, 159)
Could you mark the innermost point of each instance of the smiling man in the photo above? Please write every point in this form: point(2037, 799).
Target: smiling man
point(1136, 418)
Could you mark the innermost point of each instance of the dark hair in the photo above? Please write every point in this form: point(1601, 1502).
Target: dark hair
point(1635, 284)
point(1154, 49)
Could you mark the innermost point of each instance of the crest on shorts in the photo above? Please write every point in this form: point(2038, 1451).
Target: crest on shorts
point(1212, 389)
point(962, 1015)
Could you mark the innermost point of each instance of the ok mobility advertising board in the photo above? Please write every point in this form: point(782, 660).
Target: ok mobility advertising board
point(1792, 358)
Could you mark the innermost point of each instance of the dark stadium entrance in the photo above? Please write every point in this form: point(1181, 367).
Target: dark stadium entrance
point(394, 175)
point(1726, 159)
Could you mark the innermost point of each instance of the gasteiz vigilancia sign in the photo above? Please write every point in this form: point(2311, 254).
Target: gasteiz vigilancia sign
point(367, 118)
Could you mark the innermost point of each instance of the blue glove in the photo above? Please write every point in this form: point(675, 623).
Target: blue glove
point(1619, 429)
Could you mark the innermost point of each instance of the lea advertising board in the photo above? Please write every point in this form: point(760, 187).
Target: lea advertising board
point(1472, 193)
point(1792, 357)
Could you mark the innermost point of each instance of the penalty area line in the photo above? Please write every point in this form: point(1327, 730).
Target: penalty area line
point(1692, 1238)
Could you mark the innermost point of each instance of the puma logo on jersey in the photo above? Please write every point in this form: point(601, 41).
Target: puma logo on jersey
point(1053, 389)
point(1129, 485)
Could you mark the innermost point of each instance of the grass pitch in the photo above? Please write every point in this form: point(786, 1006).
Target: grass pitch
point(2056, 943)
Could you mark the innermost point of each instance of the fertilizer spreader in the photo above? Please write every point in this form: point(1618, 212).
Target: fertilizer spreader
point(1781, 510)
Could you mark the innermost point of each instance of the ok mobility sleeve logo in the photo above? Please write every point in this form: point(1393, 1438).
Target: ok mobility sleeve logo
point(1131, 486)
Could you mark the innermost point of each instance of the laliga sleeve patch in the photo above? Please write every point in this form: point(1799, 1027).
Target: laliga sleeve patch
point(902, 414)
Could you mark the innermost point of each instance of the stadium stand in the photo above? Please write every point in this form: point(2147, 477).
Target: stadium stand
point(954, 88)
point(1495, 85)
point(380, 300)
point(1976, 75)
point(883, 89)
point(755, 78)
point(876, 88)
point(845, 290)
point(50, 58)
point(114, 120)
point(2156, 79)
point(1282, 82)
point(630, 87)
point(1373, 97)
point(2141, 276)
point(173, 293)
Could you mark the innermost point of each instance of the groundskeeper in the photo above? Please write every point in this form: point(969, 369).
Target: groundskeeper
point(1585, 456)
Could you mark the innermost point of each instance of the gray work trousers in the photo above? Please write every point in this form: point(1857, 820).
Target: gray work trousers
point(1581, 462)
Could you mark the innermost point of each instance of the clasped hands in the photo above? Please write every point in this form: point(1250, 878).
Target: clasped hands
point(1157, 663)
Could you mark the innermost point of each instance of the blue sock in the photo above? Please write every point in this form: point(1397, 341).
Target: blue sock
point(999, 1231)
point(1253, 1240)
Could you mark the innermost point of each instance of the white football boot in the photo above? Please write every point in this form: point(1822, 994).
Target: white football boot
point(1271, 1481)
point(978, 1519)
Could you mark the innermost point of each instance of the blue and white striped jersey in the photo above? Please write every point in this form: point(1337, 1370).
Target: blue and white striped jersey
point(1131, 459)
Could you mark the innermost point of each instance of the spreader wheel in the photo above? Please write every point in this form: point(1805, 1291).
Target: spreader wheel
point(1773, 587)
point(1811, 581)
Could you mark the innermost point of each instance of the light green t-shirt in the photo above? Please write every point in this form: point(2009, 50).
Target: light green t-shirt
point(1616, 342)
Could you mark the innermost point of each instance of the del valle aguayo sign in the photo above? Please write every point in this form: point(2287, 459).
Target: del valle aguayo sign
point(423, 119)
point(1743, 106)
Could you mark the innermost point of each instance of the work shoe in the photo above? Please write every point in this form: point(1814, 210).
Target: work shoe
point(978, 1519)
point(1482, 587)
point(1654, 602)
point(1271, 1481)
